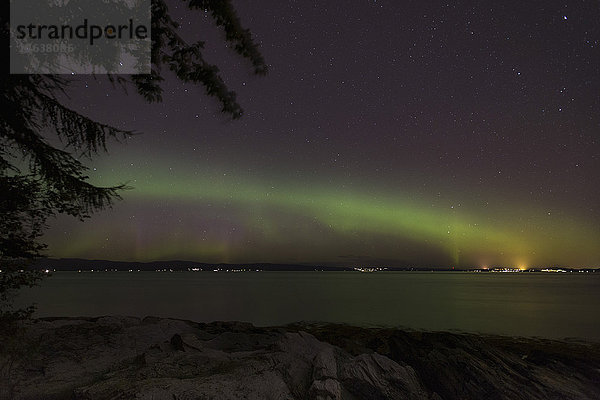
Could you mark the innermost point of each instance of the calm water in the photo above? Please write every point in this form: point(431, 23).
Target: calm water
point(547, 305)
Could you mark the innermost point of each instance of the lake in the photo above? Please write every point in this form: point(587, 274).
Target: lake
point(526, 304)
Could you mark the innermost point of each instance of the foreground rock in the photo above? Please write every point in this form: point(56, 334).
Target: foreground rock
point(152, 358)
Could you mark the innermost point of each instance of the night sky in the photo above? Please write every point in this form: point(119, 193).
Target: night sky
point(386, 133)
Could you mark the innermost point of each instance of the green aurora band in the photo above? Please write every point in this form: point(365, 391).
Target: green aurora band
point(279, 223)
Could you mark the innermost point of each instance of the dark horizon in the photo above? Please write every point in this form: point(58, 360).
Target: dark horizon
point(73, 264)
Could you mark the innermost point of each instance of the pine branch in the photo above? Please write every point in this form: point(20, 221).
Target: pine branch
point(78, 131)
point(224, 15)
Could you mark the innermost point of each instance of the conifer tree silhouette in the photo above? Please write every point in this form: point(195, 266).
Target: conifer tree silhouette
point(39, 180)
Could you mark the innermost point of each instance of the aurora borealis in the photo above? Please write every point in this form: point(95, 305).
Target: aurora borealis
point(385, 133)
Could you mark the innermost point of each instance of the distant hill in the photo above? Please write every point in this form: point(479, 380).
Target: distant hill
point(79, 264)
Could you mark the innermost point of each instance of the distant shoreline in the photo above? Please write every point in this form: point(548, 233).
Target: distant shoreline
point(74, 264)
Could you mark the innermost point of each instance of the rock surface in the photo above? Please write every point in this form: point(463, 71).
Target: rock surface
point(154, 358)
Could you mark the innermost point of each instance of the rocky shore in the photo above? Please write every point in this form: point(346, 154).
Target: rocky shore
point(158, 358)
